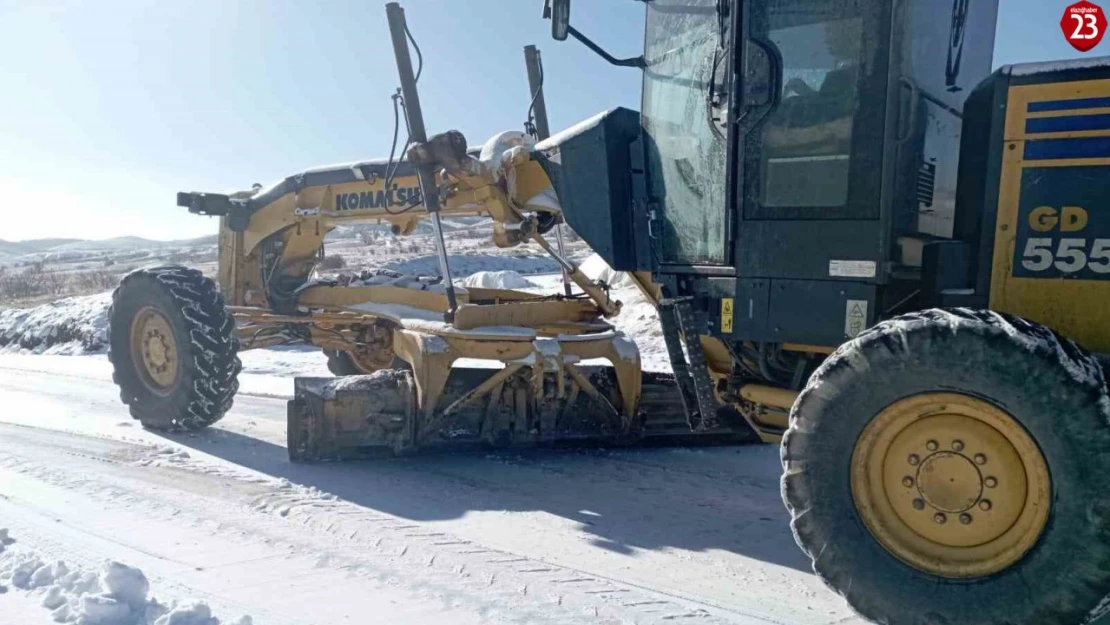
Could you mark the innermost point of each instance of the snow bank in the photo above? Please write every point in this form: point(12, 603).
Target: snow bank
point(497, 280)
point(117, 595)
point(69, 326)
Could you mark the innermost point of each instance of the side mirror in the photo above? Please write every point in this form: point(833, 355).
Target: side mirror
point(558, 11)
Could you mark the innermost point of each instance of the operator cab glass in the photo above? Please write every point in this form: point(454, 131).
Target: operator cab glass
point(808, 141)
point(684, 49)
point(817, 154)
point(810, 121)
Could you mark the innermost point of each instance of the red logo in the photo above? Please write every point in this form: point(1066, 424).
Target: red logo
point(1084, 24)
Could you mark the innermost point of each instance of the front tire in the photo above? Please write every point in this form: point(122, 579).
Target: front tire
point(173, 348)
point(1036, 409)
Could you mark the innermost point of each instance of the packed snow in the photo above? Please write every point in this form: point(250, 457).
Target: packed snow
point(119, 525)
point(117, 594)
point(648, 536)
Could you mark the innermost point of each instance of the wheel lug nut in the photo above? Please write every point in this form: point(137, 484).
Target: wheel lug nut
point(918, 504)
point(932, 445)
point(991, 482)
point(914, 460)
point(957, 445)
point(940, 518)
point(965, 518)
point(985, 505)
point(907, 481)
point(980, 459)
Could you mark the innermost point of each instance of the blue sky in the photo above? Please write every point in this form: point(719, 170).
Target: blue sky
point(108, 108)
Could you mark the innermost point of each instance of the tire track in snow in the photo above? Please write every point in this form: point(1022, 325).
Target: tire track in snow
point(459, 572)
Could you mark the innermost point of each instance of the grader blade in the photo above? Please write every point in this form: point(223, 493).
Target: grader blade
point(358, 416)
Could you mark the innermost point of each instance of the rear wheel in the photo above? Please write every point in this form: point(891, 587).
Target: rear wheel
point(944, 461)
point(173, 348)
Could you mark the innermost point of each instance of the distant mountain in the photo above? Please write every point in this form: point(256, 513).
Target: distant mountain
point(18, 248)
point(131, 243)
point(10, 249)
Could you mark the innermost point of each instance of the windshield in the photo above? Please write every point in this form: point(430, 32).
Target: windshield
point(686, 153)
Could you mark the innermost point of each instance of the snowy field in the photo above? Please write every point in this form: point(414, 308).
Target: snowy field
point(110, 524)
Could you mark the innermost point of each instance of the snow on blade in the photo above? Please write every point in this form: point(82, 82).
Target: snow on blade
point(116, 595)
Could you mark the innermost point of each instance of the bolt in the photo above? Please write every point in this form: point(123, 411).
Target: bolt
point(965, 518)
point(940, 518)
point(907, 481)
point(931, 445)
point(914, 460)
point(985, 505)
point(918, 504)
point(980, 459)
point(958, 445)
point(991, 482)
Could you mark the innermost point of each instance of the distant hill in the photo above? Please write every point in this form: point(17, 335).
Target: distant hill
point(18, 248)
point(130, 243)
point(15, 249)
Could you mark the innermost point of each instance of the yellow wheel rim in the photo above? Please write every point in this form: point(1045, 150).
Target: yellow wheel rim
point(951, 485)
point(154, 350)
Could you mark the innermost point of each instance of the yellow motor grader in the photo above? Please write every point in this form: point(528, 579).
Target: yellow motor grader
point(861, 243)
point(554, 369)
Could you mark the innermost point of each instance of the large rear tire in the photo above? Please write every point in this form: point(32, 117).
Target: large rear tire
point(173, 348)
point(1015, 423)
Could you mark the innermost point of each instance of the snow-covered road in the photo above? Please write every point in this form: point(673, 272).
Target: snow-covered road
point(630, 536)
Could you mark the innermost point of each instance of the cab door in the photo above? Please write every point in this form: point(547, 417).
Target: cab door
point(683, 111)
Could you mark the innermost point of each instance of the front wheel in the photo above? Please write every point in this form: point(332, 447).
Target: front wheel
point(173, 348)
point(944, 461)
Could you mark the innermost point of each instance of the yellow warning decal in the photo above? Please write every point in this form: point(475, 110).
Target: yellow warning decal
point(726, 315)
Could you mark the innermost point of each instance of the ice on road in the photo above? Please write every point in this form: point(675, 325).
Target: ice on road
point(222, 518)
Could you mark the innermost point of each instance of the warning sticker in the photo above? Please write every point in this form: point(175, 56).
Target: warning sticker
point(852, 268)
point(726, 315)
point(855, 318)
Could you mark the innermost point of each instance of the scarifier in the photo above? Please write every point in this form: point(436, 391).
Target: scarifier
point(861, 243)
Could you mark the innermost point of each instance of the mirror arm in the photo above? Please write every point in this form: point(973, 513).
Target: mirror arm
point(632, 62)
